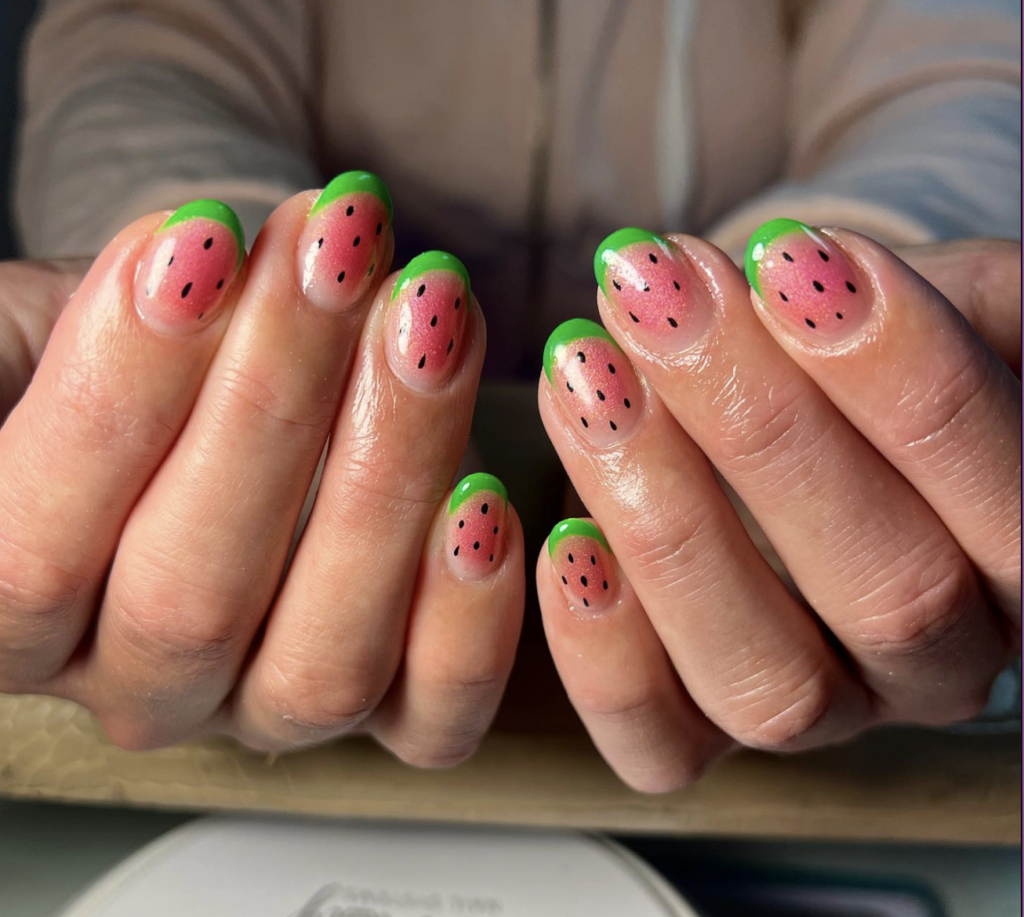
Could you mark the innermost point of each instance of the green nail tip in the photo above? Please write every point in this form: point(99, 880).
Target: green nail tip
point(349, 183)
point(430, 261)
point(763, 236)
point(210, 210)
point(569, 527)
point(617, 241)
point(576, 329)
point(474, 484)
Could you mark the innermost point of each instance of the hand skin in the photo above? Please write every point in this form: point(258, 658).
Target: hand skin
point(873, 434)
point(155, 466)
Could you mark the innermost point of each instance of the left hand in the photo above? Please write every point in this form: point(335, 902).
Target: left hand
point(874, 435)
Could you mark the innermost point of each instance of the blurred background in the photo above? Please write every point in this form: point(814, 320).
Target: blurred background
point(15, 16)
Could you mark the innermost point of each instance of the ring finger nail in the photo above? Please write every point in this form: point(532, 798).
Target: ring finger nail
point(475, 531)
point(344, 240)
point(803, 277)
point(583, 563)
point(427, 318)
point(593, 381)
point(654, 287)
point(188, 267)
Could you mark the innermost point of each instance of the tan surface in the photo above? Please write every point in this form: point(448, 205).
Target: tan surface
point(899, 784)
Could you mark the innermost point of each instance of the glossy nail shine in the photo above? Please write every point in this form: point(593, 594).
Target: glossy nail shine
point(583, 564)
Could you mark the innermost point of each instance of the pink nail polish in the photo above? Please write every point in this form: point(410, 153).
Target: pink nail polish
point(344, 241)
point(584, 564)
point(653, 286)
point(427, 320)
point(189, 266)
point(594, 382)
point(475, 535)
point(803, 277)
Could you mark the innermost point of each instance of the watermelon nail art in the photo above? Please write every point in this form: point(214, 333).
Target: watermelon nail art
point(804, 277)
point(593, 381)
point(653, 286)
point(345, 238)
point(189, 266)
point(583, 564)
point(429, 304)
point(475, 532)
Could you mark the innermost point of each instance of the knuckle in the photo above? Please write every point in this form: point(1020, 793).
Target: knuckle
point(668, 547)
point(787, 717)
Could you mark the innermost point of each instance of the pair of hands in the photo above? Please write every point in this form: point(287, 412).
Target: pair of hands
point(159, 461)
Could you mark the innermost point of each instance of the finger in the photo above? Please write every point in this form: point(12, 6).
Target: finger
point(203, 552)
point(335, 636)
point(463, 629)
point(614, 667)
point(866, 551)
point(110, 395)
point(750, 657)
point(908, 372)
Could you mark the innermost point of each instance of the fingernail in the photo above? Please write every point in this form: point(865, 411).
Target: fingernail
point(427, 320)
point(803, 277)
point(475, 536)
point(584, 564)
point(344, 240)
point(593, 381)
point(188, 267)
point(654, 287)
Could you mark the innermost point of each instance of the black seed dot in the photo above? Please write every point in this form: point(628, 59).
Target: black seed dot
point(593, 561)
point(169, 263)
point(787, 256)
point(850, 287)
point(673, 322)
point(600, 394)
point(355, 242)
point(635, 319)
point(565, 581)
point(823, 256)
point(586, 604)
point(422, 289)
point(462, 522)
point(186, 290)
point(568, 385)
point(604, 584)
point(583, 420)
point(495, 530)
point(819, 286)
point(476, 545)
point(380, 226)
point(350, 210)
point(675, 283)
point(839, 315)
point(484, 509)
point(208, 244)
point(583, 581)
point(617, 285)
point(581, 356)
point(625, 401)
point(611, 423)
point(647, 289)
point(320, 242)
point(423, 361)
point(810, 324)
point(785, 298)
point(458, 302)
point(571, 560)
point(433, 321)
point(491, 558)
point(653, 259)
point(220, 284)
point(451, 344)
point(370, 271)
point(456, 551)
point(200, 316)
point(611, 369)
point(341, 277)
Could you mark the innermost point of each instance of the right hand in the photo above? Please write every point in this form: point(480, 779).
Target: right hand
point(153, 475)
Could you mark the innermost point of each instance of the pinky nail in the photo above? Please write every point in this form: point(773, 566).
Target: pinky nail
point(188, 267)
point(427, 320)
point(593, 381)
point(344, 240)
point(475, 532)
point(584, 564)
point(806, 279)
point(652, 285)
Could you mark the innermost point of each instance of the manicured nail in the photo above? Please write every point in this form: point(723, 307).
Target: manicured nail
point(189, 266)
point(477, 518)
point(803, 276)
point(427, 320)
point(654, 287)
point(584, 564)
point(345, 238)
point(593, 381)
